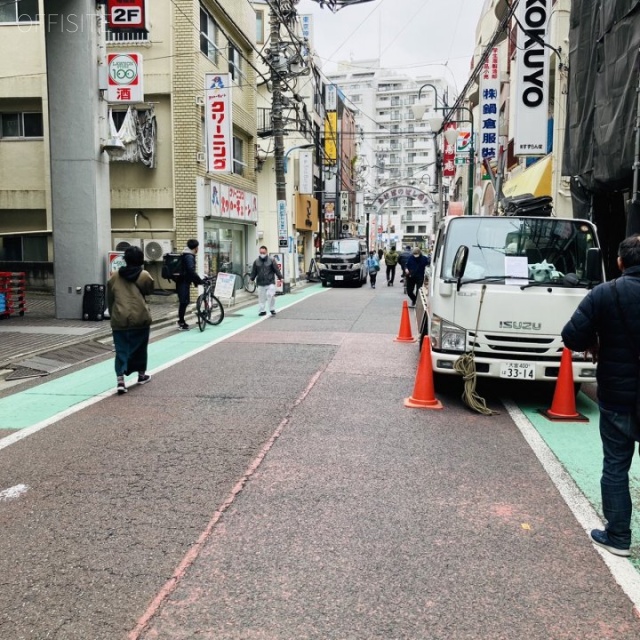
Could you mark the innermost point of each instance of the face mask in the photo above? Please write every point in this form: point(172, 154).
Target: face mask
point(263, 256)
point(416, 253)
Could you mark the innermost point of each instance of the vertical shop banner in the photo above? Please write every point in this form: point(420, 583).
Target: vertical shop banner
point(305, 170)
point(448, 155)
point(344, 206)
point(531, 105)
point(124, 84)
point(489, 118)
point(218, 122)
point(126, 14)
point(329, 211)
point(331, 138)
point(235, 204)
point(283, 234)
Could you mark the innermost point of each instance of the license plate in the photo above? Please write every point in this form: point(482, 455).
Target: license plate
point(518, 370)
point(338, 278)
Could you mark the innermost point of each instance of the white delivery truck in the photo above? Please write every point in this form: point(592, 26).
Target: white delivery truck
point(502, 288)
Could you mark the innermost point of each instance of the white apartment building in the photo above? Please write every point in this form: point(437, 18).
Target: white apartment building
point(394, 148)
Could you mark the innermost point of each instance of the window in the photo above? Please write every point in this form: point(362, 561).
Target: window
point(411, 228)
point(24, 249)
point(208, 36)
point(356, 98)
point(260, 27)
point(238, 156)
point(21, 11)
point(21, 125)
point(422, 228)
point(235, 63)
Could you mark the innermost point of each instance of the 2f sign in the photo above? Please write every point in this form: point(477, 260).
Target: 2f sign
point(126, 14)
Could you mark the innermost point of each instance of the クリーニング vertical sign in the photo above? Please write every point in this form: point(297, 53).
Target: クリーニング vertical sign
point(218, 122)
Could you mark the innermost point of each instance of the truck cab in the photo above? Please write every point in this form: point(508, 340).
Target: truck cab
point(503, 287)
point(343, 261)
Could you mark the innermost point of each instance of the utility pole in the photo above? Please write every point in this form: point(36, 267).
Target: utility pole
point(277, 121)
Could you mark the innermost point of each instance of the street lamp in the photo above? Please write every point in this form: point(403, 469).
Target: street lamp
point(436, 121)
point(288, 151)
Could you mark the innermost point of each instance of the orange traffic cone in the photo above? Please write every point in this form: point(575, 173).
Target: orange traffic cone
point(405, 335)
point(563, 407)
point(423, 396)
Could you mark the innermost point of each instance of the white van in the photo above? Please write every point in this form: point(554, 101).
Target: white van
point(504, 287)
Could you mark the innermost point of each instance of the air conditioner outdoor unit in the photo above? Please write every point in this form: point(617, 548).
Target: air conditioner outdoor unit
point(200, 156)
point(155, 249)
point(121, 244)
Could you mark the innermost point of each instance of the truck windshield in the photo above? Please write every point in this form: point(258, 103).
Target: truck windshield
point(340, 247)
point(538, 249)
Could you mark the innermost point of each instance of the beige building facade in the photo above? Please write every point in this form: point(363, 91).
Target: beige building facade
point(158, 205)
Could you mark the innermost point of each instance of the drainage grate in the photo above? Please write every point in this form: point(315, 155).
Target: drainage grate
point(57, 360)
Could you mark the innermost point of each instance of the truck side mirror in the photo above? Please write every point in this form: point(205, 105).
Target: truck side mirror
point(594, 265)
point(460, 262)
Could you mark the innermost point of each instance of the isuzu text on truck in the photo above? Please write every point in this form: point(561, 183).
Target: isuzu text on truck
point(503, 287)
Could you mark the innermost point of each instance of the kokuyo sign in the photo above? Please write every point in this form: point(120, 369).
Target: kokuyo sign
point(532, 79)
point(125, 77)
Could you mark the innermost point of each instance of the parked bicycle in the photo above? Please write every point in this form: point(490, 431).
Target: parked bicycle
point(242, 279)
point(209, 309)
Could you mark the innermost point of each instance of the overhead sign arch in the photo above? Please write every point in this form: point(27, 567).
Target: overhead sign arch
point(401, 191)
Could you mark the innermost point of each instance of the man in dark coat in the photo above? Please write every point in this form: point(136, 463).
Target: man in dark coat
point(188, 277)
point(414, 273)
point(605, 325)
point(264, 271)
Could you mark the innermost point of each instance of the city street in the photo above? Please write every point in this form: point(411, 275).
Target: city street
point(269, 483)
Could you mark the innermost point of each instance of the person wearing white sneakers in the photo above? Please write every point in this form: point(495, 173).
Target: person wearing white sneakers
point(264, 272)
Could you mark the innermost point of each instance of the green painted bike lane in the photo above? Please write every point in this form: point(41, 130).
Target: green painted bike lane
point(578, 448)
point(44, 402)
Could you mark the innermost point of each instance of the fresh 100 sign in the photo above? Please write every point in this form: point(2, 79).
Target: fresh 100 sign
point(532, 78)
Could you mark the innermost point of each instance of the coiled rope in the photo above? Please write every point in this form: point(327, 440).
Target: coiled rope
point(466, 366)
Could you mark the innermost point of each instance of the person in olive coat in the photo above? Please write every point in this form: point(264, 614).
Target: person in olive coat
point(130, 317)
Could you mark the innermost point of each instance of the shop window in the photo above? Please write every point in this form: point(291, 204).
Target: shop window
point(20, 11)
point(21, 125)
point(208, 36)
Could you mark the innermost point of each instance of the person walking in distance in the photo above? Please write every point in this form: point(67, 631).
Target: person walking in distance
point(414, 273)
point(188, 277)
point(403, 256)
point(130, 317)
point(264, 272)
point(605, 326)
point(391, 260)
point(373, 266)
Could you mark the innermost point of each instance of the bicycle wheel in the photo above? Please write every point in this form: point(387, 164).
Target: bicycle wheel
point(249, 286)
point(215, 310)
point(201, 307)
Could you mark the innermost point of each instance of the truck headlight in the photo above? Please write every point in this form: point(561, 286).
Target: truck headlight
point(355, 266)
point(447, 336)
point(321, 266)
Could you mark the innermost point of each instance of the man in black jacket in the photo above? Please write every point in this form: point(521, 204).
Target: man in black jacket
point(605, 325)
point(183, 283)
point(264, 272)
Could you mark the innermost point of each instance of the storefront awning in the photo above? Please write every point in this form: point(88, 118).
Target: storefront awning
point(535, 180)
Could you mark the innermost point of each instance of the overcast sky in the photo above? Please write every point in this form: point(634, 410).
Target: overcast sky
point(416, 37)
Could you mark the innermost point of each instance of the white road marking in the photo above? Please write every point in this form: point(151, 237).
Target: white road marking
point(13, 492)
point(23, 433)
point(624, 573)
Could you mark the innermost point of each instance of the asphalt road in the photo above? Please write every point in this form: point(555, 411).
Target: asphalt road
point(274, 486)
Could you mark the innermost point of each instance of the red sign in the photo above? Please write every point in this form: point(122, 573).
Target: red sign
point(126, 14)
point(449, 155)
